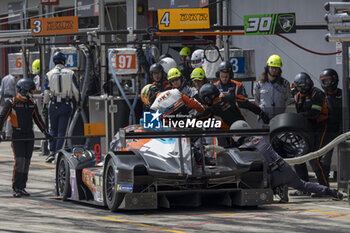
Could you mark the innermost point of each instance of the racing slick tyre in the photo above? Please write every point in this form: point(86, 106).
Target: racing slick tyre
point(291, 135)
point(63, 178)
point(112, 198)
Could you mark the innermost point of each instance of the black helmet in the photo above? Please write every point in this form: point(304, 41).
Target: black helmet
point(226, 67)
point(156, 67)
point(329, 80)
point(24, 86)
point(303, 82)
point(59, 58)
point(208, 93)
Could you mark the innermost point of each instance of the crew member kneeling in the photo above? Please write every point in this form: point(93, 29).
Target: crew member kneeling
point(281, 174)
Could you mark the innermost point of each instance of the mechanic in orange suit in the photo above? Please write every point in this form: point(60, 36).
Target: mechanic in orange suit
point(310, 102)
point(22, 110)
point(227, 85)
point(225, 107)
point(170, 102)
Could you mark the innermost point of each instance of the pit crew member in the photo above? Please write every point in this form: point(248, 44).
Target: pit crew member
point(198, 79)
point(329, 83)
point(272, 91)
point(8, 91)
point(159, 77)
point(225, 108)
point(311, 103)
point(185, 65)
point(61, 89)
point(170, 102)
point(227, 85)
point(22, 110)
point(177, 81)
point(280, 172)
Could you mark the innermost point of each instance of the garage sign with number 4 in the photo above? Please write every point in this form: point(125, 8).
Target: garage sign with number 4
point(187, 18)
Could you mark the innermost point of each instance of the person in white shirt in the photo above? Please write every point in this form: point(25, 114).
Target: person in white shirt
point(36, 73)
point(61, 88)
point(7, 91)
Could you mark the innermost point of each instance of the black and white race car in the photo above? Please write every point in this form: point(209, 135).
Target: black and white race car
point(149, 169)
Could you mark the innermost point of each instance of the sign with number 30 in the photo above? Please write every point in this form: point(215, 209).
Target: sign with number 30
point(269, 24)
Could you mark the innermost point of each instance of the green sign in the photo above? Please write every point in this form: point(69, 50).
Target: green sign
point(269, 24)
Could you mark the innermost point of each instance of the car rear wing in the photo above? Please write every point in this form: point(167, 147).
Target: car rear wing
point(180, 133)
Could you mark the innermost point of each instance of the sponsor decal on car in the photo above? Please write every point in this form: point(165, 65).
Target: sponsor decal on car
point(125, 188)
point(153, 120)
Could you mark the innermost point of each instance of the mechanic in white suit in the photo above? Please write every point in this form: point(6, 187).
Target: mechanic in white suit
point(36, 74)
point(272, 91)
point(8, 91)
point(61, 89)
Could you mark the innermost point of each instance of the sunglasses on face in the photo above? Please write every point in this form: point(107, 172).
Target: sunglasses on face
point(174, 80)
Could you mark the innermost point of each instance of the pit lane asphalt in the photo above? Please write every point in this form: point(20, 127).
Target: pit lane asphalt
point(43, 212)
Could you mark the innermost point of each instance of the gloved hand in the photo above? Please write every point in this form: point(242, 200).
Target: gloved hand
point(48, 136)
point(45, 111)
point(264, 117)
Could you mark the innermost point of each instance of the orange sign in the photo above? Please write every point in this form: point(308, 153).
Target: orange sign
point(126, 61)
point(54, 25)
point(93, 129)
point(185, 18)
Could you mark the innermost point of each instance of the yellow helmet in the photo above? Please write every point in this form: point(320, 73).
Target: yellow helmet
point(185, 51)
point(149, 93)
point(174, 73)
point(36, 66)
point(274, 61)
point(197, 74)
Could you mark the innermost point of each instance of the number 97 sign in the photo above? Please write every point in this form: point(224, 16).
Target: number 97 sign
point(125, 61)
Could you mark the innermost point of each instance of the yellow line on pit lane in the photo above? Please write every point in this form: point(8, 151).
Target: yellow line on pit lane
point(140, 224)
point(93, 216)
point(323, 212)
point(32, 163)
point(316, 211)
point(43, 165)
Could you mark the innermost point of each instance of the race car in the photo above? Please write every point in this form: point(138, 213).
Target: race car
point(148, 169)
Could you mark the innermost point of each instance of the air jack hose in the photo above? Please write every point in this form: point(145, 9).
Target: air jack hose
point(79, 110)
point(302, 159)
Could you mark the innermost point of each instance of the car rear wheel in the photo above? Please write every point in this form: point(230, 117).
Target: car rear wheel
point(291, 135)
point(290, 143)
point(63, 178)
point(112, 197)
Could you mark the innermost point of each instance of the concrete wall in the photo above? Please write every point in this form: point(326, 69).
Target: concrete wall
point(293, 58)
